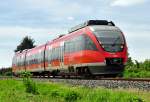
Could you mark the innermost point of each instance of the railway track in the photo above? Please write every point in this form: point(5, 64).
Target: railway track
point(126, 79)
point(125, 83)
point(139, 84)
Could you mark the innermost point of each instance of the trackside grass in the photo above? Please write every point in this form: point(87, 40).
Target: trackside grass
point(15, 91)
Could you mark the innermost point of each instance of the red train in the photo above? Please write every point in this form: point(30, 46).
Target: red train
point(96, 47)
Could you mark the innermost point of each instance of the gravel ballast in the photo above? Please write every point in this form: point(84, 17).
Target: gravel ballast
point(141, 85)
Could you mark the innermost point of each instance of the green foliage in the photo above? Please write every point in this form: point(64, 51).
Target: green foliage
point(137, 69)
point(130, 62)
point(55, 93)
point(29, 83)
point(8, 74)
point(135, 99)
point(72, 96)
point(26, 43)
point(6, 71)
point(26, 75)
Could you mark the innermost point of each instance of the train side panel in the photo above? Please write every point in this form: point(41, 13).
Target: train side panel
point(35, 59)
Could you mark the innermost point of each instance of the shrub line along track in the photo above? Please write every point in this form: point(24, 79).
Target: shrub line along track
point(125, 83)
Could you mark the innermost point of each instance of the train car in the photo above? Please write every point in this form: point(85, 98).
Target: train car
point(35, 59)
point(96, 47)
point(18, 62)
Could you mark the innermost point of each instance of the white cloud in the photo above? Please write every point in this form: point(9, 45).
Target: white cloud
point(70, 18)
point(127, 2)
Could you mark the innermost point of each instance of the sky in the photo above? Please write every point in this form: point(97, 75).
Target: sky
point(45, 20)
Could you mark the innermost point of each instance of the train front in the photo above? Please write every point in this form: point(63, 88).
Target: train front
point(113, 47)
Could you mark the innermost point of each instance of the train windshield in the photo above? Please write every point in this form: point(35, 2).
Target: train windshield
point(111, 40)
point(109, 37)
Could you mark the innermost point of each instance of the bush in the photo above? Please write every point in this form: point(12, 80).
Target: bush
point(8, 74)
point(137, 69)
point(26, 75)
point(30, 85)
point(135, 99)
point(72, 96)
point(55, 94)
point(6, 71)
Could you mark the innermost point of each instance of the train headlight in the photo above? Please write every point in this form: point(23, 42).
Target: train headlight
point(103, 46)
point(121, 46)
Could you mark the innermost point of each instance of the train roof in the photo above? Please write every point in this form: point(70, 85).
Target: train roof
point(103, 27)
point(91, 22)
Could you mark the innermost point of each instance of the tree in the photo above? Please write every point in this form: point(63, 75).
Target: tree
point(130, 61)
point(27, 43)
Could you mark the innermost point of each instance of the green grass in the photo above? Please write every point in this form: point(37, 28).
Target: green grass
point(15, 91)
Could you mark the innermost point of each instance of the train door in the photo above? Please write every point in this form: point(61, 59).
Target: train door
point(61, 53)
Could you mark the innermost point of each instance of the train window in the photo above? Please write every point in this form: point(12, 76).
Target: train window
point(111, 40)
point(36, 59)
point(57, 53)
point(39, 57)
point(54, 51)
point(19, 61)
point(89, 43)
point(29, 59)
point(26, 62)
point(72, 45)
point(42, 56)
point(82, 42)
point(51, 56)
point(61, 49)
point(54, 54)
point(109, 37)
point(33, 59)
